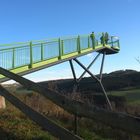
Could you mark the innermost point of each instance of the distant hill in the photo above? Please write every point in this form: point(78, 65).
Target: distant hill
point(116, 80)
point(126, 83)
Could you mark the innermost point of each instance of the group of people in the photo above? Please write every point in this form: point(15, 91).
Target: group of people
point(104, 38)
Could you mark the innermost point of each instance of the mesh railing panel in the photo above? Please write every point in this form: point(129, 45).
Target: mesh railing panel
point(36, 52)
point(33, 52)
point(50, 50)
point(6, 57)
point(90, 42)
point(69, 46)
point(115, 44)
point(97, 39)
point(113, 41)
point(22, 56)
point(84, 42)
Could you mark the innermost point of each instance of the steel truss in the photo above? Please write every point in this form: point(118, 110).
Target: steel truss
point(99, 80)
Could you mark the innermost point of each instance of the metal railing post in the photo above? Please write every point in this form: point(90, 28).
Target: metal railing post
point(42, 51)
point(111, 41)
point(88, 41)
point(60, 54)
point(78, 44)
point(31, 55)
point(62, 47)
point(13, 58)
point(118, 43)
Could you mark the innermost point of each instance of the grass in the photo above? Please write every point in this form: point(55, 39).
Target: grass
point(132, 95)
point(15, 125)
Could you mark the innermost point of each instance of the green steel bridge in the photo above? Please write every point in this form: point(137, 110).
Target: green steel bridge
point(22, 58)
point(30, 56)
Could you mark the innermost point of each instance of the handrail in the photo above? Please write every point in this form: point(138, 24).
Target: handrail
point(48, 40)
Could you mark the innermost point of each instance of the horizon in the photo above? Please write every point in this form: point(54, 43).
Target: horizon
point(11, 82)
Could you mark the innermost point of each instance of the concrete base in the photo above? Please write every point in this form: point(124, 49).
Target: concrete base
point(2, 102)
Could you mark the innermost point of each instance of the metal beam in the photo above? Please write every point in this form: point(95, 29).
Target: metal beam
point(75, 89)
point(93, 76)
point(73, 71)
point(122, 121)
point(98, 80)
point(106, 97)
point(43, 121)
point(88, 67)
point(102, 65)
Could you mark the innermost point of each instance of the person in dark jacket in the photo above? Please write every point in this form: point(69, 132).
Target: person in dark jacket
point(106, 38)
point(92, 36)
point(102, 38)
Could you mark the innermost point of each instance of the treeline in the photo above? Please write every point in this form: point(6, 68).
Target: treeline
point(113, 81)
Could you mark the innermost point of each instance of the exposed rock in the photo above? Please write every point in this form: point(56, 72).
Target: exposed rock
point(2, 102)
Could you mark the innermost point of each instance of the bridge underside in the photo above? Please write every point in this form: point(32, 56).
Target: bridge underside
point(108, 50)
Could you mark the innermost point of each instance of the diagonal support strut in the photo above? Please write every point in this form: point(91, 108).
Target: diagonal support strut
point(75, 89)
point(102, 65)
point(88, 67)
point(98, 80)
point(43, 121)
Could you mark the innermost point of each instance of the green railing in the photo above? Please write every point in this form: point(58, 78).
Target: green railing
point(21, 54)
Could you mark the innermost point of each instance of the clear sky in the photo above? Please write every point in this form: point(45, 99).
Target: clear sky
point(23, 20)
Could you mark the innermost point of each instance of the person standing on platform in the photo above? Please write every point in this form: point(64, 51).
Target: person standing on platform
point(102, 38)
point(92, 36)
point(106, 38)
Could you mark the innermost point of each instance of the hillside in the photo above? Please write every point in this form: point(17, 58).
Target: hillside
point(122, 85)
point(113, 81)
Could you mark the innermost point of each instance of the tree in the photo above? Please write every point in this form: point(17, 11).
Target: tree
point(137, 59)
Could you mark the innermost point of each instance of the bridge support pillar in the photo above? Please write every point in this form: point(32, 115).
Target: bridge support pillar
point(75, 88)
point(2, 102)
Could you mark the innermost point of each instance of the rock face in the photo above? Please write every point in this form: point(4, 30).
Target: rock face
point(2, 102)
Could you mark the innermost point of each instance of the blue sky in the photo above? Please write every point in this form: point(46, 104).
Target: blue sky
point(23, 20)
